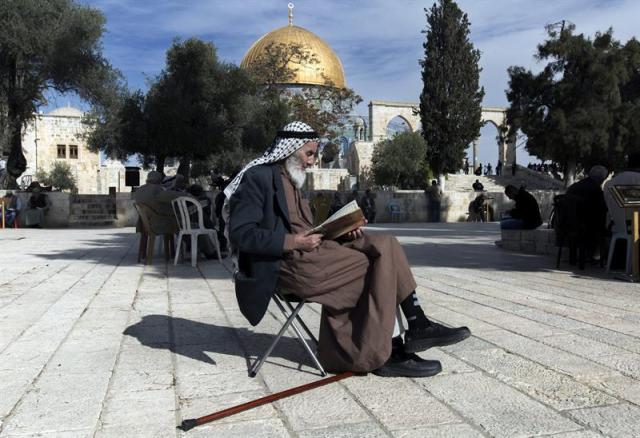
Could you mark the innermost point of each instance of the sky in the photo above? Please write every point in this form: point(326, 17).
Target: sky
point(378, 41)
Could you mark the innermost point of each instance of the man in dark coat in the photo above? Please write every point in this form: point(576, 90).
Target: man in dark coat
point(525, 215)
point(592, 210)
point(360, 280)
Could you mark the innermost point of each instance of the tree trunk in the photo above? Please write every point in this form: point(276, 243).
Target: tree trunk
point(160, 164)
point(570, 173)
point(16, 163)
point(184, 168)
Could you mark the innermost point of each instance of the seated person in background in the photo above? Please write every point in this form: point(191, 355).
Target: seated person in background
point(525, 215)
point(359, 280)
point(12, 208)
point(476, 209)
point(592, 211)
point(197, 192)
point(33, 216)
point(621, 217)
point(478, 170)
point(477, 186)
point(147, 192)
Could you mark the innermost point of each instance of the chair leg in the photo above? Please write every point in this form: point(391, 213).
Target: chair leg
point(560, 243)
point(142, 246)
point(214, 239)
point(151, 243)
point(167, 247)
point(612, 248)
point(259, 362)
point(304, 343)
point(194, 250)
point(177, 253)
point(302, 323)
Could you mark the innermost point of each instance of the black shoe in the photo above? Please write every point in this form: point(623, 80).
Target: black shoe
point(434, 335)
point(402, 364)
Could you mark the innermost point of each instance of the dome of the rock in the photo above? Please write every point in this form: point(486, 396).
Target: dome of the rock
point(327, 70)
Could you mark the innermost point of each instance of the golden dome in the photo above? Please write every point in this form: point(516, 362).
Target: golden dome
point(328, 63)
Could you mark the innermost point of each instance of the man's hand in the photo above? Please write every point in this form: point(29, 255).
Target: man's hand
point(307, 243)
point(355, 234)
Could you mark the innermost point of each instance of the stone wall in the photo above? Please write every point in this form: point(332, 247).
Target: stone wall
point(59, 207)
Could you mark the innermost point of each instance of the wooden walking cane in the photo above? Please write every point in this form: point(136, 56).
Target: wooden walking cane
point(193, 422)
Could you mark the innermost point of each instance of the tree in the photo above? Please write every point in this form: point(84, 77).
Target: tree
point(323, 107)
point(400, 161)
point(450, 102)
point(47, 46)
point(582, 109)
point(59, 176)
point(198, 109)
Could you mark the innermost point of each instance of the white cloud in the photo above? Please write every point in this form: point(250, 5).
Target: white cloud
point(379, 41)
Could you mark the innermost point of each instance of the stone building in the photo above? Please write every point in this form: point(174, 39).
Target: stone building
point(59, 136)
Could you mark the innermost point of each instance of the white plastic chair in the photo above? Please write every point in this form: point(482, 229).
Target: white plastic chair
point(614, 240)
point(181, 208)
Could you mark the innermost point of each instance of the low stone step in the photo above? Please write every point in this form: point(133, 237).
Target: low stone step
point(90, 217)
point(89, 224)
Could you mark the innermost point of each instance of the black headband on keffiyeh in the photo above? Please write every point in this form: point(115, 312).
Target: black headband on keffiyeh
point(288, 140)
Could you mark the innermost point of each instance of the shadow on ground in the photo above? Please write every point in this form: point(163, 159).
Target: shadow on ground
point(195, 339)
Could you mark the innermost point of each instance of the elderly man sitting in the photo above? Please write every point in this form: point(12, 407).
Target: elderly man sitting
point(360, 280)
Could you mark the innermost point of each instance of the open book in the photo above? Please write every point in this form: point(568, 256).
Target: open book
point(348, 218)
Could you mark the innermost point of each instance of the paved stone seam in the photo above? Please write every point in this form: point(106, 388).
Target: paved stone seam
point(472, 293)
point(99, 423)
point(9, 416)
point(281, 415)
point(53, 301)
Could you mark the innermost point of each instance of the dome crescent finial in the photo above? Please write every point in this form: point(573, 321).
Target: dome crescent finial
point(290, 6)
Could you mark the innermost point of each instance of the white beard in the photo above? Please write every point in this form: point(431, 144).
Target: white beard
point(296, 172)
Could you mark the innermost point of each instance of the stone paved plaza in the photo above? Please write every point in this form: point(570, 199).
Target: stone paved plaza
point(94, 344)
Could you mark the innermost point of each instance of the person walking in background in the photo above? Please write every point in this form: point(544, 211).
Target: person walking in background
point(466, 166)
point(499, 168)
point(488, 169)
point(368, 205)
point(434, 200)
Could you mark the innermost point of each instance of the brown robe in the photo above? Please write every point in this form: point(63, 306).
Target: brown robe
point(359, 285)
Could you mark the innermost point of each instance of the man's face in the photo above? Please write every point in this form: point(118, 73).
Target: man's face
point(306, 155)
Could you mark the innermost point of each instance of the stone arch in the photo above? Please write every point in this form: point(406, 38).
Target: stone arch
point(382, 112)
point(401, 118)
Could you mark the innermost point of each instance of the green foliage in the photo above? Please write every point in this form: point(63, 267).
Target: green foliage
point(400, 161)
point(583, 108)
point(60, 177)
point(322, 107)
point(450, 102)
point(199, 109)
point(48, 45)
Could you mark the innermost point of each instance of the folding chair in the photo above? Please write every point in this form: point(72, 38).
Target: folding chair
point(291, 314)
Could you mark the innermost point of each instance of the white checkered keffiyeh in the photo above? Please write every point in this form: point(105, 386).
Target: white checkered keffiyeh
point(286, 143)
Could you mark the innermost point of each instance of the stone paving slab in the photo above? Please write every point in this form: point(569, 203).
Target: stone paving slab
point(93, 344)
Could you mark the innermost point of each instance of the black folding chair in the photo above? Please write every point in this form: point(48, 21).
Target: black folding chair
point(285, 303)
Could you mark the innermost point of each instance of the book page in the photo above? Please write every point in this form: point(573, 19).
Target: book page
point(350, 209)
